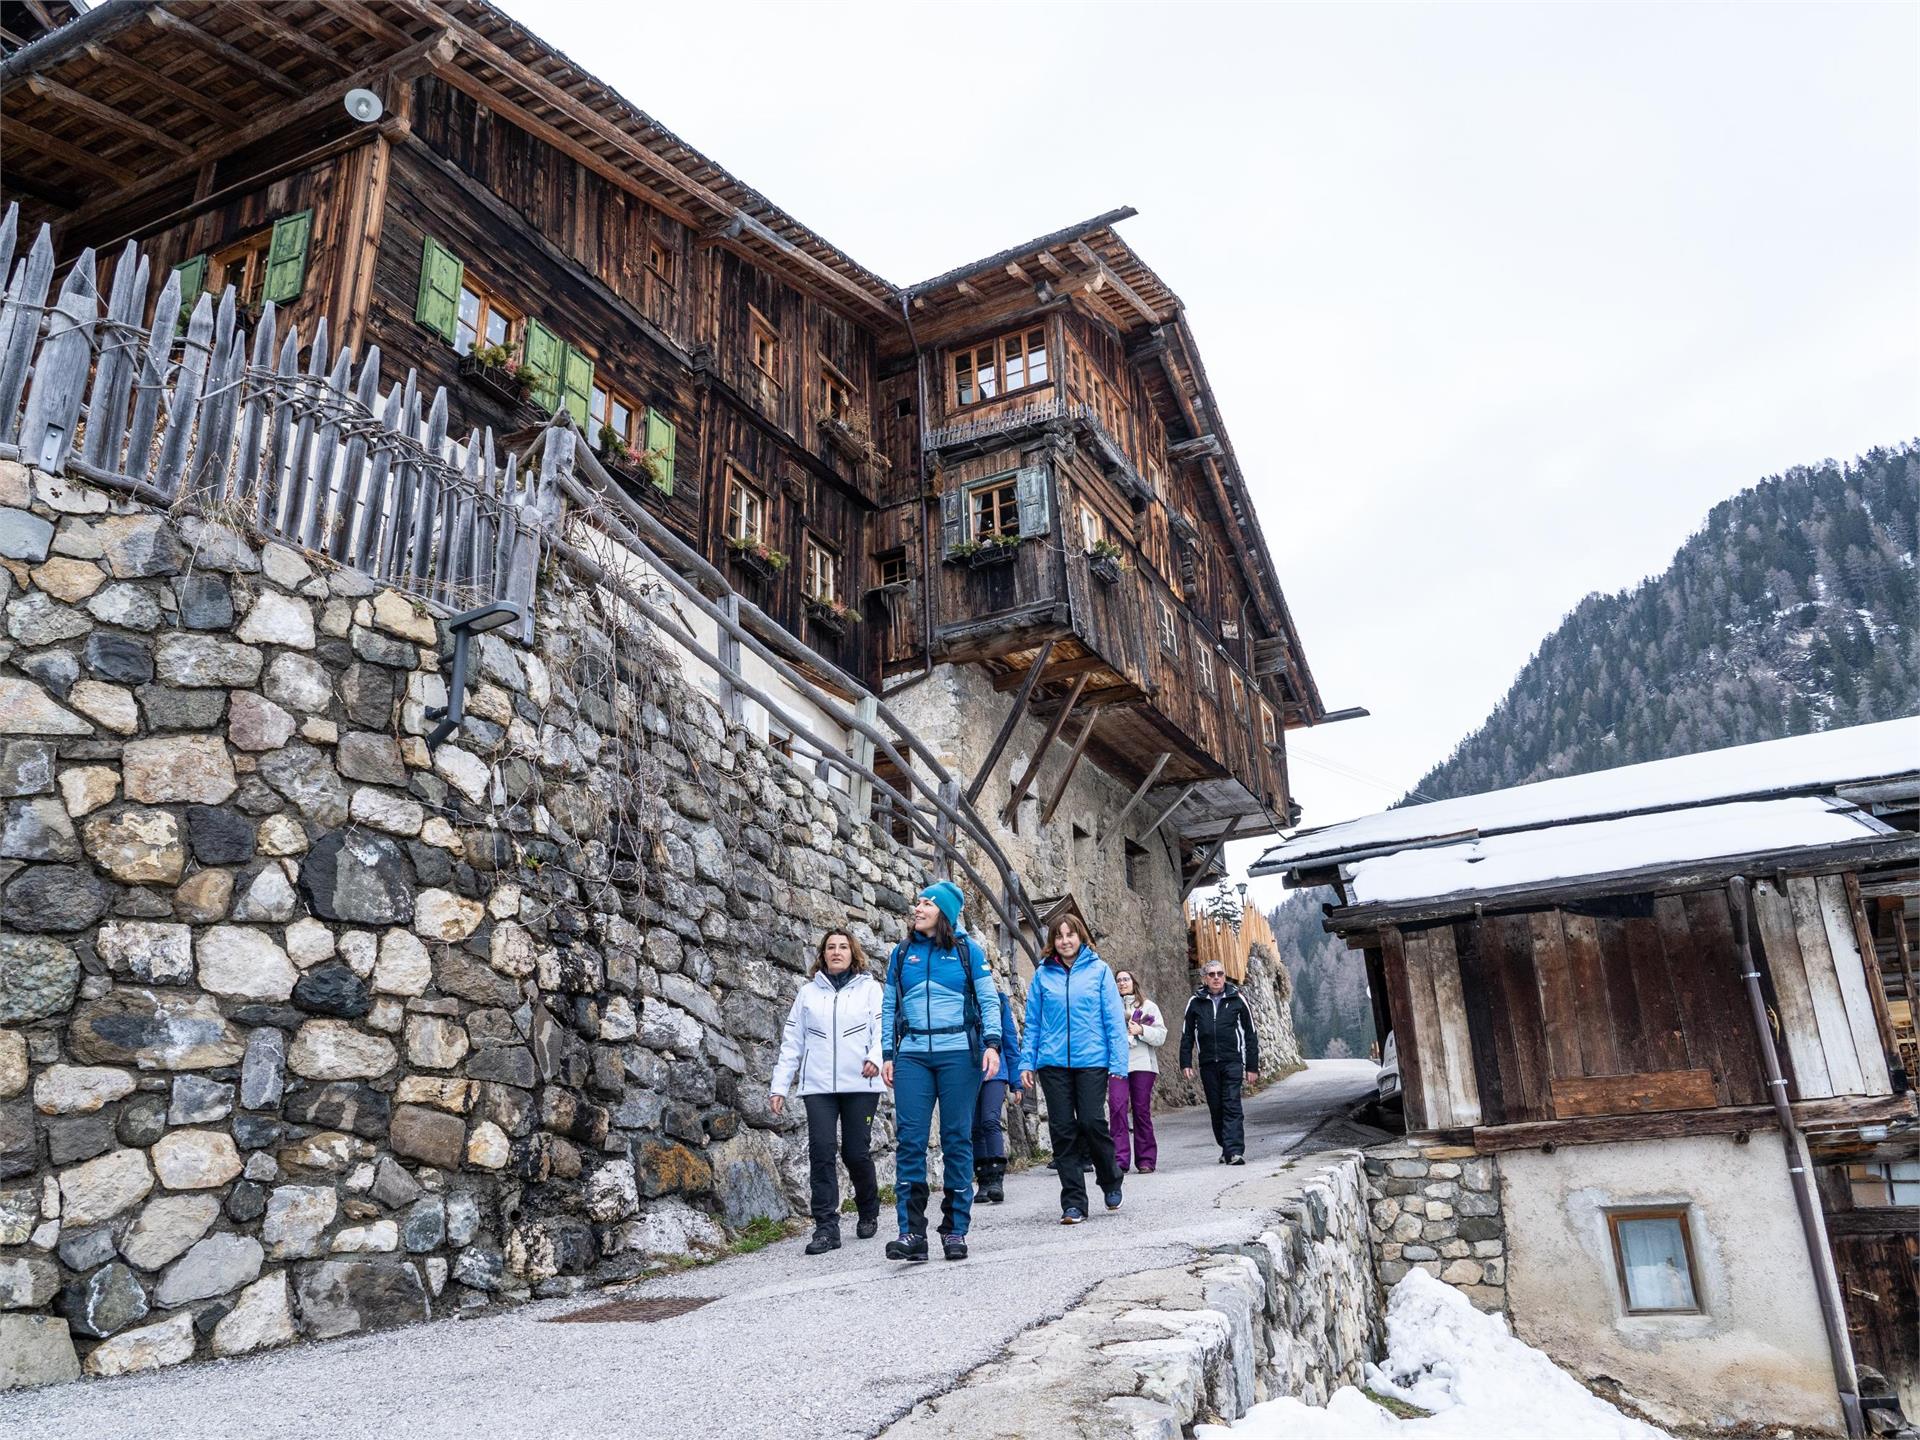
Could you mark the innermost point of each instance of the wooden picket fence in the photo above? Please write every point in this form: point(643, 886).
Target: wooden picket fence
point(228, 425)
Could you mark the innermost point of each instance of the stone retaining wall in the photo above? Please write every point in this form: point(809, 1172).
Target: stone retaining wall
point(305, 1030)
point(1437, 1208)
point(1296, 1311)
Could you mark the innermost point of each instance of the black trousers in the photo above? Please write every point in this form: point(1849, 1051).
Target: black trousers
point(1222, 1084)
point(851, 1113)
point(1077, 1125)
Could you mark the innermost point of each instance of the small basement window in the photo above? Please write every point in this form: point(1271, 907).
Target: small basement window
point(1136, 866)
point(1653, 1252)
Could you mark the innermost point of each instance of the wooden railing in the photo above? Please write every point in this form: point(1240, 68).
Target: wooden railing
point(318, 458)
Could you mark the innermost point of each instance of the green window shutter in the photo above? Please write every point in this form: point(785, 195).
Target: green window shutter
point(193, 280)
point(660, 442)
point(541, 360)
point(438, 307)
point(576, 381)
point(1030, 489)
point(287, 257)
point(953, 519)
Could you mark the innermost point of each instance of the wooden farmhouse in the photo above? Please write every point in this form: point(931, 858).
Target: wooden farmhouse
point(1631, 987)
point(1017, 467)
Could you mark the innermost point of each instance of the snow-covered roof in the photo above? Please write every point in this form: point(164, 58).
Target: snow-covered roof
point(1801, 764)
point(1608, 847)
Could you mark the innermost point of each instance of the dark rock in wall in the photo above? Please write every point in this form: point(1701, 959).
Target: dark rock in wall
point(358, 878)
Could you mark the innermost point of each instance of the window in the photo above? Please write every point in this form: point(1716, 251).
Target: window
point(836, 394)
point(892, 567)
point(483, 319)
point(1203, 663)
point(820, 579)
point(1885, 1182)
point(659, 261)
point(614, 418)
point(903, 407)
point(1090, 531)
point(1653, 1251)
point(746, 510)
point(994, 508)
point(1000, 366)
point(1169, 628)
point(242, 265)
point(1136, 866)
point(1268, 734)
point(269, 264)
point(1239, 694)
point(764, 347)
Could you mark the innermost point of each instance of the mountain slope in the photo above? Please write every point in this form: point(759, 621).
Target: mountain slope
point(1795, 607)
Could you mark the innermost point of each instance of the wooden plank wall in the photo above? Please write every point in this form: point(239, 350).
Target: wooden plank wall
point(1562, 1015)
point(1812, 952)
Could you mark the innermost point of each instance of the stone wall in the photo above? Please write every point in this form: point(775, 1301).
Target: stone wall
point(1297, 1311)
point(304, 1030)
point(1437, 1208)
point(1269, 989)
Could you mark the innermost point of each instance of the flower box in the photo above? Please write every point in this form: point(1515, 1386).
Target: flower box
point(500, 381)
point(758, 560)
point(984, 556)
point(1105, 567)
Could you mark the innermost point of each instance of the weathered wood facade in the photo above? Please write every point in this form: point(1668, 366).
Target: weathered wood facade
point(507, 227)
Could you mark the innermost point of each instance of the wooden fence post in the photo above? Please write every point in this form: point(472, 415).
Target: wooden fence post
point(60, 377)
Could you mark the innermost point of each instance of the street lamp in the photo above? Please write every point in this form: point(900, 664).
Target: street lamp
point(463, 627)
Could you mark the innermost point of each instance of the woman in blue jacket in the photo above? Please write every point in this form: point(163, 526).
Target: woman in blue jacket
point(989, 1127)
point(939, 1038)
point(1076, 1041)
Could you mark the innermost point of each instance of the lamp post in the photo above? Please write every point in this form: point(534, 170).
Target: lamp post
point(463, 627)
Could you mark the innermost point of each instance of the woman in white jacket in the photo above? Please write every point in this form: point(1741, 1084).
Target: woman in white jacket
point(831, 1047)
point(1146, 1032)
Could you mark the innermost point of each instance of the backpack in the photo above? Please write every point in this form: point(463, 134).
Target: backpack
point(971, 1022)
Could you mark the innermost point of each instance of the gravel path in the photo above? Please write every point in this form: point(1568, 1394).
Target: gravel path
point(833, 1346)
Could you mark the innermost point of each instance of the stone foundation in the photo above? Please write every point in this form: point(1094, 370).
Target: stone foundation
point(305, 1030)
point(1437, 1208)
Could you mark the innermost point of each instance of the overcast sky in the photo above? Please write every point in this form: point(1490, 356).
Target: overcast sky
point(1498, 300)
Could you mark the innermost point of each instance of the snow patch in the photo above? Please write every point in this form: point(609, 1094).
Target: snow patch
point(1463, 1365)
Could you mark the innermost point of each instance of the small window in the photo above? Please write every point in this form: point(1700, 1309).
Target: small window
point(1203, 665)
point(994, 508)
point(836, 394)
point(892, 567)
point(484, 320)
point(1136, 866)
point(1239, 694)
point(243, 265)
point(746, 510)
point(616, 421)
point(1090, 529)
point(1885, 1182)
point(1268, 734)
point(659, 261)
point(903, 407)
point(1001, 366)
point(765, 348)
point(1653, 1251)
point(1169, 628)
point(820, 578)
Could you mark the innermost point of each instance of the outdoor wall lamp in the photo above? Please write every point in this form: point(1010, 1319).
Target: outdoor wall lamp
point(463, 627)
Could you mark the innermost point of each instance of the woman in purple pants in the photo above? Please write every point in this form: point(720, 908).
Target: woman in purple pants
point(1146, 1032)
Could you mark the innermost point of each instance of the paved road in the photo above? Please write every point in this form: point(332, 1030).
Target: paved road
point(834, 1346)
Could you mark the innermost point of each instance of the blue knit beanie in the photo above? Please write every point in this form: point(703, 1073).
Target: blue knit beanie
point(947, 896)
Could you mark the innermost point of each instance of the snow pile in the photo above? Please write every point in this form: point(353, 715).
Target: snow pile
point(1445, 1356)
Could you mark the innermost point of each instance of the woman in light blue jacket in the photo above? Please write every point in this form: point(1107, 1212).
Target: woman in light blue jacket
point(1076, 1041)
point(940, 1037)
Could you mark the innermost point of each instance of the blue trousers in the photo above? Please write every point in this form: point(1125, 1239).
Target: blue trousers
point(950, 1078)
point(989, 1134)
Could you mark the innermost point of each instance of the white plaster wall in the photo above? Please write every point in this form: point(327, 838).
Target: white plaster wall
point(1757, 1354)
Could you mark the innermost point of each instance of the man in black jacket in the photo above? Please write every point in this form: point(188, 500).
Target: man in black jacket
point(1219, 1020)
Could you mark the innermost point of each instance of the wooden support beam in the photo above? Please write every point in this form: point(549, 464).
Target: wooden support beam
point(164, 84)
point(263, 16)
point(1030, 679)
point(1139, 794)
point(1027, 777)
point(1167, 814)
point(1073, 763)
point(859, 788)
point(39, 190)
point(1062, 670)
point(25, 138)
point(968, 290)
point(232, 54)
point(1213, 852)
point(1051, 264)
point(1120, 287)
point(103, 114)
point(1013, 269)
point(364, 17)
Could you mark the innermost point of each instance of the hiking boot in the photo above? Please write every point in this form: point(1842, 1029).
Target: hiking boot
point(908, 1247)
point(1112, 1197)
point(1236, 1160)
point(868, 1227)
point(826, 1236)
point(994, 1188)
point(1072, 1215)
point(955, 1246)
